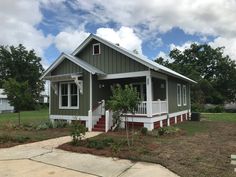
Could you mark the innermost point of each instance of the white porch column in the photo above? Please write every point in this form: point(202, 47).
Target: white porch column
point(149, 94)
point(90, 92)
point(90, 120)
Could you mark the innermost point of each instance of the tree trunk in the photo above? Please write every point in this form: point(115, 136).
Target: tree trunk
point(127, 132)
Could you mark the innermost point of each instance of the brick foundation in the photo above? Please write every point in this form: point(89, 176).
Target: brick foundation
point(136, 125)
point(172, 120)
point(157, 124)
point(164, 123)
point(178, 119)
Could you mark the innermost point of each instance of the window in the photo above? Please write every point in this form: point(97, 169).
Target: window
point(0, 101)
point(141, 89)
point(69, 96)
point(178, 95)
point(96, 49)
point(184, 95)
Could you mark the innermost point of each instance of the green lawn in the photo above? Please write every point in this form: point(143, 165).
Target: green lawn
point(27, 117)
point(225, 117)
point(12, 134)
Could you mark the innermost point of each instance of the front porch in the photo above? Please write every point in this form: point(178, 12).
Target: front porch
point(153, 92)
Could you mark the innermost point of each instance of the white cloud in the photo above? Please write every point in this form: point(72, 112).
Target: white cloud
point(228, 43)
point(209, 17)
point(18, 21)
point(68, 40)
point(182, 47)
point(125, 37)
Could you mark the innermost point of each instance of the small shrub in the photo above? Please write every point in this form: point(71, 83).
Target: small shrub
point(17, 139)
point(60, 124)
point(100, 144)
point(144, 131)
point(116, 147)
point(44, 125)
point(167, 130)
point(77, 133)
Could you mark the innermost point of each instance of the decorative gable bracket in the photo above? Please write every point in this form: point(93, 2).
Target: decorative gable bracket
point(55, 87)
point(79, 83)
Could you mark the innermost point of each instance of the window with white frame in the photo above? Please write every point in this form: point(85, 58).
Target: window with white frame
point(96, 49)
point(178, 95)
point(69, 96)
point(184, 95)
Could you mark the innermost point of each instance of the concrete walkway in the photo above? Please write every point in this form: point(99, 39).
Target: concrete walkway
point(42, 159)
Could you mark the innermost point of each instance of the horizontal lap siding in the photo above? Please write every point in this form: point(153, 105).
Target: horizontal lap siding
point(64, 68)
point(172, 95)
point(110, 61)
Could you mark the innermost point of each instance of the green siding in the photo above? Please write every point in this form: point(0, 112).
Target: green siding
point(172, 95)
point(64, 68)
point(110, 61)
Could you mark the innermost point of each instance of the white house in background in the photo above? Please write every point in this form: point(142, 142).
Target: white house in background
point(4, 103)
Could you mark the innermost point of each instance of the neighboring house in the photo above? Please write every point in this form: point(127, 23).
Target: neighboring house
point(81, 84)
point(44, 99)
point(4, 104)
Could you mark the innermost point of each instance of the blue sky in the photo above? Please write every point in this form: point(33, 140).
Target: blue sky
point(152, 27)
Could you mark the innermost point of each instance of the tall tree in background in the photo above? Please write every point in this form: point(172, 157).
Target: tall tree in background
point(24, 67)
point(214, 72)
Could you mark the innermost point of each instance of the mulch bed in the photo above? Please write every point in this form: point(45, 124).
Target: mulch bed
point(203, 154)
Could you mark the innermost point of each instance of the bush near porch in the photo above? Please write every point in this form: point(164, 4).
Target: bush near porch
point(35, 126)
point(196, 149)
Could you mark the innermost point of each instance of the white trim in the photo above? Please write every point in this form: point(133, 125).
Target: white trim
point(69, 96)
point(99, 49)
point(124, 75)
point(90, 92)
point(167, 94)
point(75, 60)
point(146, 62)
point(178, 94)
point(184, 90)
point(158, 75)
point(68, 117)
point(149, 95)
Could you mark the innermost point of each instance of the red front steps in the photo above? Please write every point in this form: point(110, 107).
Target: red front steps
point(100, 125)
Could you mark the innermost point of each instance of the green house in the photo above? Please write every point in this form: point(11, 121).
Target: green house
point(81, 84)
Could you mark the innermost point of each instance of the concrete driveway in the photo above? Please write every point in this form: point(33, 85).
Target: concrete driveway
point(42, 159)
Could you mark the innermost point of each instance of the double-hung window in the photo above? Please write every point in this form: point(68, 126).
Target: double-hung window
point(184, 95)
point(69, 96)
point(178, 95)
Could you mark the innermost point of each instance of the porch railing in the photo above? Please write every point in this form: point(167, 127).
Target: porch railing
point(158, 107)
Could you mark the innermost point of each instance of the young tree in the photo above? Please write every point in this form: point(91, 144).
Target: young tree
point(23, 66)
point(18, 94)
point(124, 100)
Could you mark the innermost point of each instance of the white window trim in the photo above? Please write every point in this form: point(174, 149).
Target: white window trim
point(184, 95)
point(179, 101)
point(69, 96)
point(97, 44)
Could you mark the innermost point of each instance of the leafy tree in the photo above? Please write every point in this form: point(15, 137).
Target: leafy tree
point(19, 95)
point(22, 66)
point(214, 72)
point(124, 100)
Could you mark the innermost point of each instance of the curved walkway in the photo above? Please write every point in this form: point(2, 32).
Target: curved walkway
point(42, 159)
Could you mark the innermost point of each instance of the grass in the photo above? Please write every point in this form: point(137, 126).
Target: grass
point(12, 134)
point(199, 149)
point(224, 117)
point(27, 117)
